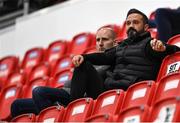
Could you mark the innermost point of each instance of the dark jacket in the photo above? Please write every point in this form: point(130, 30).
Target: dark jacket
point(133, 60)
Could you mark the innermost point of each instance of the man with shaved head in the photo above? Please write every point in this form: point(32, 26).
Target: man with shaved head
point(44, 97)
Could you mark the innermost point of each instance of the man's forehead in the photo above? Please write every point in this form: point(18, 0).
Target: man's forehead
point(134, 16)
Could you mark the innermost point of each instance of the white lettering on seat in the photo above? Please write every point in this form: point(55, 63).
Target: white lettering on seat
point(172, 84)
point(78, 109)
point(108, 101)
point(166, 114)
point(174, 67)
point(139, 93)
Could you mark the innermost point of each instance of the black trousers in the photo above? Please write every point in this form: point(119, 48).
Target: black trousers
point(86, 80)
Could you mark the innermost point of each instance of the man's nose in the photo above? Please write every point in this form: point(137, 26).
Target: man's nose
point(131, 25)
point(100, 42)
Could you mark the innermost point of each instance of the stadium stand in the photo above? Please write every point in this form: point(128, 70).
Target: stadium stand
point(145, 101)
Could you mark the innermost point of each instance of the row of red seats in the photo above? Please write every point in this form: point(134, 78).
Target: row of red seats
point(170, 65)
point(54, 52)
point(144, 101)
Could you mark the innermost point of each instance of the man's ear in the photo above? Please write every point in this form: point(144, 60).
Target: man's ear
point(115, 43)
point(146, 26)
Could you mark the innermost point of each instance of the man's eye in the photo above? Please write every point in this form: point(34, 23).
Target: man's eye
point(128, 23)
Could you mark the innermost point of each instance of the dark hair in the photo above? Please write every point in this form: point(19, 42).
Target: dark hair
point(131, 11)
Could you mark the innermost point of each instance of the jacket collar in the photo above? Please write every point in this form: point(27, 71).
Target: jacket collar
point(135, 39)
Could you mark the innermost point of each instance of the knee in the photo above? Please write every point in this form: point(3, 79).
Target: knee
point(38, 91)
point(15, 104)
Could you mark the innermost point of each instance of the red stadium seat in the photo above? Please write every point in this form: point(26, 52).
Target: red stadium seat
point(140, 93)
point(166, 110)
point(8, 65)
point(39, 71)
point(175, 40)
point(16, 78)
point(51, 114)
point(109, 102)
point(65, 63)
point(60, 78)
point(168, 86)
point(101, 118)
point(25, 118)
point(169, 65)
point(8, 95)
point(153, 32)
point(78, 110)
point(135, 114)
point(32, 58)
point(81, 42)
point(55, 51)
point(122, 35)
point(27, 89)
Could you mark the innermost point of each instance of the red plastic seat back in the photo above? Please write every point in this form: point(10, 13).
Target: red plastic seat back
point(32, 58)
point(40, 71)
point(109, 102)
point(28, 88)
point(135, 114)
point(140, 93)
point(166, 110)
point(51, 114)
point(78, 110)
point(8, 95)
point(168, 86)
point(81, 42)
point(65, 63)
point(55, 51)
point(169, 65)
point(122, 35)
point(25, 118)
point(8, 65)
point(101, 118)
point(175, 40)
point(16, 78)
point(60, 78)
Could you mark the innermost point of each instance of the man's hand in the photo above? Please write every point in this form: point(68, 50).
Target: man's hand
point(157, 45)
point(77, 60)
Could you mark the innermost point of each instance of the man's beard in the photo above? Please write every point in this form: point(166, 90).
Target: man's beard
point(133, 33)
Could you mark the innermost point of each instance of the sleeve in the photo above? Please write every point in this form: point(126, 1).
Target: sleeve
point(170, 49)
point(106, 58)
